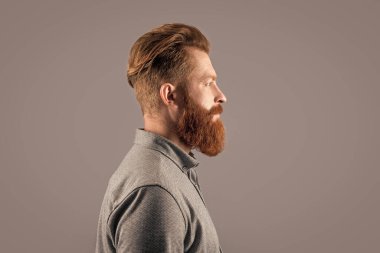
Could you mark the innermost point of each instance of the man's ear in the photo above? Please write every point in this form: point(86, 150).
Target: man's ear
point(168, 94)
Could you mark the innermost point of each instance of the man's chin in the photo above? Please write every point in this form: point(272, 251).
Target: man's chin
point(211, 151)
point(213, 142)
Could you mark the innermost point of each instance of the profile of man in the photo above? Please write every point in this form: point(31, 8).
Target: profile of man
point(153, 202)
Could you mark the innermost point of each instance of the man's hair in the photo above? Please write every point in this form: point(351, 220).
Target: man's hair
point(160, 56)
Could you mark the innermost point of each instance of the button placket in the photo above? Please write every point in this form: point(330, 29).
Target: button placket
point(193, 177)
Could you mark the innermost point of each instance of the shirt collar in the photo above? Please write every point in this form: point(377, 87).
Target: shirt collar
point(157, 142)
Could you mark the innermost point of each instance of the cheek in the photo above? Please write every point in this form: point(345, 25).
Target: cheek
point(203, 98)
point(203, 102)
point(208, 102)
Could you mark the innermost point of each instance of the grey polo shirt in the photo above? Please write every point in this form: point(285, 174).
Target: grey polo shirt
point(153, 202)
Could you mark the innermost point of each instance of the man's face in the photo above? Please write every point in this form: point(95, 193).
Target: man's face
point(199, 124)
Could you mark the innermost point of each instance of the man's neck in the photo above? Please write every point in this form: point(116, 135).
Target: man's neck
point(158, 126)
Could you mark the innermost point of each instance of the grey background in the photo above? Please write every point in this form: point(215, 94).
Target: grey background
point(300, 172)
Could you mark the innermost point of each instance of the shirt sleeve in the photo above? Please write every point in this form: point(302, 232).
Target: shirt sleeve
point(149, 220)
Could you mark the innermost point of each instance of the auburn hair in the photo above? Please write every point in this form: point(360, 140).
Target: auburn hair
point(160, 56)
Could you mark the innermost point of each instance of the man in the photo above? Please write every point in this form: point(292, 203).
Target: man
point(153, 202)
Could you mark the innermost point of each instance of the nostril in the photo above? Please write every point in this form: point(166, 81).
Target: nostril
point(222, 99)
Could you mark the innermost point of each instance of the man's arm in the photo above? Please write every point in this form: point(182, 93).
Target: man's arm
point(148, 220)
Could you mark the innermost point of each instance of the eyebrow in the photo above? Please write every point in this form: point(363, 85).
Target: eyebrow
point(206, 75)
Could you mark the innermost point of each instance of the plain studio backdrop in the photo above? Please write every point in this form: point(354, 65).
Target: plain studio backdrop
point(300, 172)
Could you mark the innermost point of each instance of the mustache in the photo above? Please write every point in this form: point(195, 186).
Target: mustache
point(216, 110)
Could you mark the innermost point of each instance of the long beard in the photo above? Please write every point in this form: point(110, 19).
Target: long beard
point(197, 129)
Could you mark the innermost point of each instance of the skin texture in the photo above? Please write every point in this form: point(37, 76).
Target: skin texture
point(199, 102)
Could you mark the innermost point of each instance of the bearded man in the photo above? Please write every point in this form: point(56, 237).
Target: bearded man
point(153, 202)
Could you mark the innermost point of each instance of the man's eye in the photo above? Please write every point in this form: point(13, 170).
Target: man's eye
point(209, 83)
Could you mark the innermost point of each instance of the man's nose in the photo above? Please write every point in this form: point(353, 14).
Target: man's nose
point(220, 97)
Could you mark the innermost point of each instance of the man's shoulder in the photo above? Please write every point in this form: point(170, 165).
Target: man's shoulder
point(143, 167)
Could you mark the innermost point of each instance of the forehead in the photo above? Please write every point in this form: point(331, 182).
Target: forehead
point(201, 64)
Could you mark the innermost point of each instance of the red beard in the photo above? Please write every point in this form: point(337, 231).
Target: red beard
point(197, 129)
